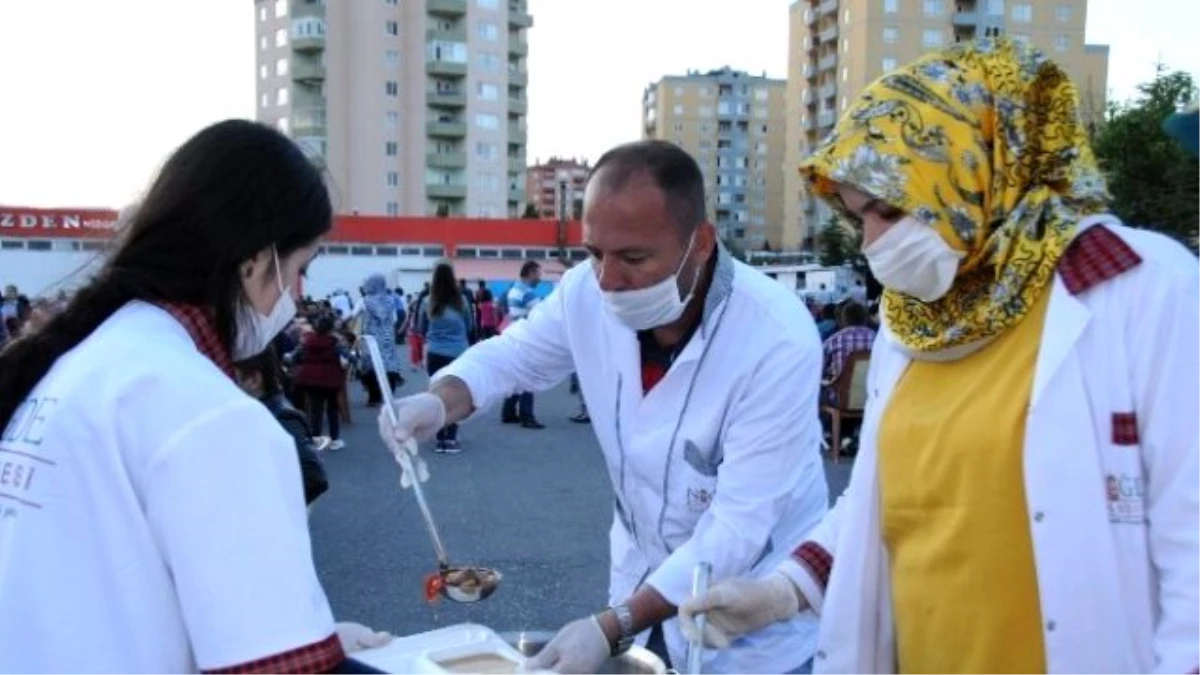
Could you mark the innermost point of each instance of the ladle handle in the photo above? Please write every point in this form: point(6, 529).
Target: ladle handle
point(404, 457)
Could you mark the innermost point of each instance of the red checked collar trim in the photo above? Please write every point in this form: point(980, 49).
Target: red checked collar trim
point(200, 326)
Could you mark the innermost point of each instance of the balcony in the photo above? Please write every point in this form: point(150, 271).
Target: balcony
point(966, 19)
point(446, 128)
point(516, 135)
point(809, 124)
point(308, 122)
point(445, 191)
point(807, 97)
point(518, 77)
point(827, 7)
point(827, 63)
point(446, 98)
point(443, 68)
point(446, 160)
point(827, 91)
point(826, 118)
point(517, 105)
point(307, 71)
point(447, 8)
point(829, 35)
point(516, 164)
point(308, 35)
point(516, 195)
point(517, 46)
point(518, 15)
point(455, 33)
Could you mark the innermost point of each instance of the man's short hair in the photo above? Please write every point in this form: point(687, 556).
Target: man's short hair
point(854, 314)
point(529, 268)
point(671, 169)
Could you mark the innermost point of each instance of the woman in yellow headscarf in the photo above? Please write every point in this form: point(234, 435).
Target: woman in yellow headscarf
point(1025, 497)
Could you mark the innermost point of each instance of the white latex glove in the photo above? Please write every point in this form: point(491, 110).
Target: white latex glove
point(738, 607)
point(418, 418)
point(355, 636)
point(580, 647)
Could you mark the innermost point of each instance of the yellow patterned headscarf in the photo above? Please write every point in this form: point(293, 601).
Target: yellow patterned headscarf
point(983, 142)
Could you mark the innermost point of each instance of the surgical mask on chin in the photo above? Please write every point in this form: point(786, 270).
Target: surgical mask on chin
point(254, 330)
point(653, 306)
point(911, 258)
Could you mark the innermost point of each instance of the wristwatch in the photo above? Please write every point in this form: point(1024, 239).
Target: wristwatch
point(625, 635)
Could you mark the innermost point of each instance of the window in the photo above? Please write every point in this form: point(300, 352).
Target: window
point(1023, 38)
point(889, 64)
point(262, 42)
point(487, 150)
point(488, 4)
point(844, 101)
point(761, 94)
point(889, 6)
point(1062, 13)
point(488, 61)
point(392, 179)
point(679, 91)
point(281, 96)
point(262, 13)
point(487, 121)
point(1022, 12)
point(678, 110)
point(846, 17)
point(391, 27)
point(391, 88)
point(391, 148)
point(391, 59)
point(704, 111)
point(845, 45)
point(280, 8)
point(262, 72)
point(891, 34)
point(931, 37)
point(488, 31)
point(393, 209)
point(280, 37)
point(264, 101)
point(1061, 42)
point(487, 91)
point(995, 7)
point(282, 124)
point(391, 119)
point(281, 67)
point(934, 7)
point(679, 127)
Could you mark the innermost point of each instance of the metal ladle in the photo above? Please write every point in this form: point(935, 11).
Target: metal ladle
point(454, 592)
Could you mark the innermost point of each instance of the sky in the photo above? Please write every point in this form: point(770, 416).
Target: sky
point(99, 93)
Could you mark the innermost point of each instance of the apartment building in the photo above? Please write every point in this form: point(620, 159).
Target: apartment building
point(733, 124)
point(555, 187)
point(414, 108)
point(837, 47)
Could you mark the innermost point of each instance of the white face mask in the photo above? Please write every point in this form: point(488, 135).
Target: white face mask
point(653, 306)
point(254, 330)
point(911, 258)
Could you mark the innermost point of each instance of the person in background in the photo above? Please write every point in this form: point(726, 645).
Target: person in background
point(379, 321)
point(854, 336)
point(469, 299)
point(521, 299)
point(416, 342)
point(258, 376)
point(160, 526)
point(1025, 498)
point(319, 366)
point(827, 323)
point(446, 325)
point(488, 317)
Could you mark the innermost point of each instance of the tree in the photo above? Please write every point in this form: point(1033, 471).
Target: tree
point(531, 212)
point(1154, 182)
point(836, 244)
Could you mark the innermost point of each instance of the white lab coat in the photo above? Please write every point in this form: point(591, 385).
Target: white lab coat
point(719, 462)
point(1118, 579)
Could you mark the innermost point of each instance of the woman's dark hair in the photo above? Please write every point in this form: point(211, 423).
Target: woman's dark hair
point(444, 291)
point(266, 365)
point(323, 323)
point(231, 191)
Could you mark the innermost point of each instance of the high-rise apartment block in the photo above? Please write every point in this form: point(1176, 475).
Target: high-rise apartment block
point(415, 107)
point(555, 187)
point(733, 124)
point(837, 47)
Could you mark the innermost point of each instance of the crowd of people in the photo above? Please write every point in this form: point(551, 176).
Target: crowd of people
point(1025, 496)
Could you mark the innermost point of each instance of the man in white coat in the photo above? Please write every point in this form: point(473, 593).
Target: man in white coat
point(701, 377)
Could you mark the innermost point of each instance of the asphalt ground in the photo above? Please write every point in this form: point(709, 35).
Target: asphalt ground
point(534, 504)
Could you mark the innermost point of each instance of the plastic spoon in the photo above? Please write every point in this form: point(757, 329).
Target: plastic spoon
point(458, 583)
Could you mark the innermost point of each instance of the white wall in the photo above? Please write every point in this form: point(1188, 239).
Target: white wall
point(44, 273)
point(328, 273)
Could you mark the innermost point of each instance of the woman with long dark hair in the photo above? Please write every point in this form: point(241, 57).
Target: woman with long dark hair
point(151, 513)
point(446, 325)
